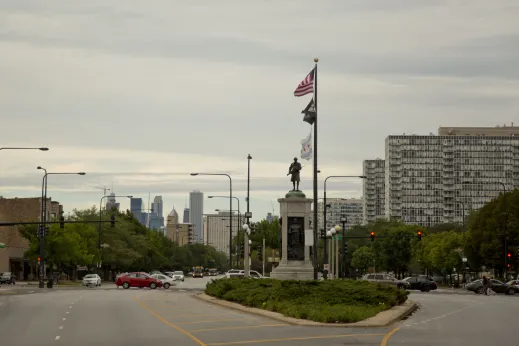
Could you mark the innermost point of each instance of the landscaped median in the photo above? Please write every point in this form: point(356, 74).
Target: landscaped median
point(324, 302)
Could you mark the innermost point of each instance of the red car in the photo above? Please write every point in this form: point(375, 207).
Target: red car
point(137, 280)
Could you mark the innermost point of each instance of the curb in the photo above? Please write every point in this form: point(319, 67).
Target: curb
point(382, 319)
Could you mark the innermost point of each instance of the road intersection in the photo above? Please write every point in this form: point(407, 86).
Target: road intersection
point(109, 316)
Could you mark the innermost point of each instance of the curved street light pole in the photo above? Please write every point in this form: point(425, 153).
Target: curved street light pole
point(325, 260)
point(43, 228)
point(19, 148)
point(230, 208)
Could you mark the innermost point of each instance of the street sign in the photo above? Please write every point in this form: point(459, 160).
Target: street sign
point(273, 259)
point(2, 246)
point(248, 215)
point(338, 237)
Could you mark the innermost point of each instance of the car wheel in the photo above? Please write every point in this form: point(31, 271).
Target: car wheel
point(153, 285)
point(166, 285)
point(126, 285)
point(480, 290)
point(510, 291)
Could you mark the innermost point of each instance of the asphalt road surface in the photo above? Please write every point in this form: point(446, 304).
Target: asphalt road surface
point(459, 319)
point(143, 316)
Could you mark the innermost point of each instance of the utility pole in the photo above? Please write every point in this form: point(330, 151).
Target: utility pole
point(263, 257)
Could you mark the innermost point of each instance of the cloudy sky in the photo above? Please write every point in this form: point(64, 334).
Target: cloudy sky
point(139, 94)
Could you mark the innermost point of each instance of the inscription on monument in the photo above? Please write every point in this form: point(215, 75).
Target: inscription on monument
point(296, 239)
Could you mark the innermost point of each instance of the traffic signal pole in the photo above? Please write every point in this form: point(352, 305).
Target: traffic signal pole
point(263, 257)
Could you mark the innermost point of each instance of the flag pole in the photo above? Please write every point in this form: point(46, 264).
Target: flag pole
point(315, 224)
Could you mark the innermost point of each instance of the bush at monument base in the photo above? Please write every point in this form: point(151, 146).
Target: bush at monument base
point(331, 301)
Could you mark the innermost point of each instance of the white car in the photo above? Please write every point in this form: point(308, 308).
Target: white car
point(178, 275)
point(167, 282)
point(91, 280)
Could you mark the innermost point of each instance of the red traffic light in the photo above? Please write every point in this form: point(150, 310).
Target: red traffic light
point(509, 255)
point(38, 259)
point(372, 234)
point(419, 233)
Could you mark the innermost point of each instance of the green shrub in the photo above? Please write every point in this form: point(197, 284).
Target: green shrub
point(329, 301)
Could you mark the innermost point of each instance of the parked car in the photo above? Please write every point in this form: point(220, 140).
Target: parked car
point(167, 281)
point(422, 283)
point(232, 272)
point(386, 279)
point(137, 279)
point(241, 273)
point(91, 280)
point(476, 286)
point(7, 278)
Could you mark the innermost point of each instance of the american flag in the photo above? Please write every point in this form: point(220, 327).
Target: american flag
point(306, 86)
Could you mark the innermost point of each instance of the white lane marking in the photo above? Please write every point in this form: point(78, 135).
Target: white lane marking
point(70, 306)
point(60, 327)
point(64, 319)
point(68, 312)
point(57, 337)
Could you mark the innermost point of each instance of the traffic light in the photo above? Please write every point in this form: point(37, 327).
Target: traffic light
point(260, 252)
point(419, 234)
point(345, 249)
point(112, 221)
point(61, 222)
point(372, 234)
point(242, 252)
point(39, 259)
point(322, 234)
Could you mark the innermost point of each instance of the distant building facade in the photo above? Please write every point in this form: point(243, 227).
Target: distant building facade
point(216, 228)
point(374, 190)
point(196, 214)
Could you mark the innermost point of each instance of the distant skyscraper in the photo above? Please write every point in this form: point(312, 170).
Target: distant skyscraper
point(136, 209)
point(196, 214)
point(112, 202)
point(185, 218)
point(157, 209)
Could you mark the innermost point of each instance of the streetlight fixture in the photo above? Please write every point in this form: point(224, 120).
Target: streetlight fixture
point(330, 234)
point(344, 219)
point(43, 227)
point(246, 244)
point(325, 274)
point(230, 208)
point(18, 148)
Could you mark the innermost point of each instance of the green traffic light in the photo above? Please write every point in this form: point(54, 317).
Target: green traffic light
point(2, 246)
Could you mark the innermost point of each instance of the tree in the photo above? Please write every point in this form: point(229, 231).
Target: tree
point(363, 258)
point(487, 229)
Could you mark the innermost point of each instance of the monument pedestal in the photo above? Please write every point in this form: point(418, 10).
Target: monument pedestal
point(295, 262)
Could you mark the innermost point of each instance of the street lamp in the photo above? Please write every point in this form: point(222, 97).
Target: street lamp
point(330, 234)
point(325, 274)
point(100, 227)
point(506, 218)
point(17, 148)
point(230, 208)
point(43, 228)
point(246, 244)
point(344, 219)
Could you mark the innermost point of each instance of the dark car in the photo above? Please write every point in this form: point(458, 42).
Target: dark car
point(422, 283)
point(476, 286)
point(7, 278)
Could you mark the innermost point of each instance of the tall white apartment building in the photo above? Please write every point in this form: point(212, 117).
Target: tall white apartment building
point(433, 179)
point(374, 191)
point(216, 229)
point(351, 208)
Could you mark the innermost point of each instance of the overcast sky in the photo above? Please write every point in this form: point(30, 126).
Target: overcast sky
point(141, 93)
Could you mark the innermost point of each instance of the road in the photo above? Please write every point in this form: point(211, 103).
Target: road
point(81, 317)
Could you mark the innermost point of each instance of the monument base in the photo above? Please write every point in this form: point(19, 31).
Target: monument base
point(293, 270)
point(295, 194)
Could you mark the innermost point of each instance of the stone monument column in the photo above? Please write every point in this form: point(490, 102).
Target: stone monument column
point(295, 262)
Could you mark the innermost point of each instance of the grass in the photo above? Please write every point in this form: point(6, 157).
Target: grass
point(330, 301)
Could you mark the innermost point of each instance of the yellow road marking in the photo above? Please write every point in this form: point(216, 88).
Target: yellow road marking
point(388, 336)
point(163, 320)
point(193, 315)
point(238, 327)
point(213, 321)
point(293, 339)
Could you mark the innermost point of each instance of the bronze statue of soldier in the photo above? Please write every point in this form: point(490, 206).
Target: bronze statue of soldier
point(294, 170)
